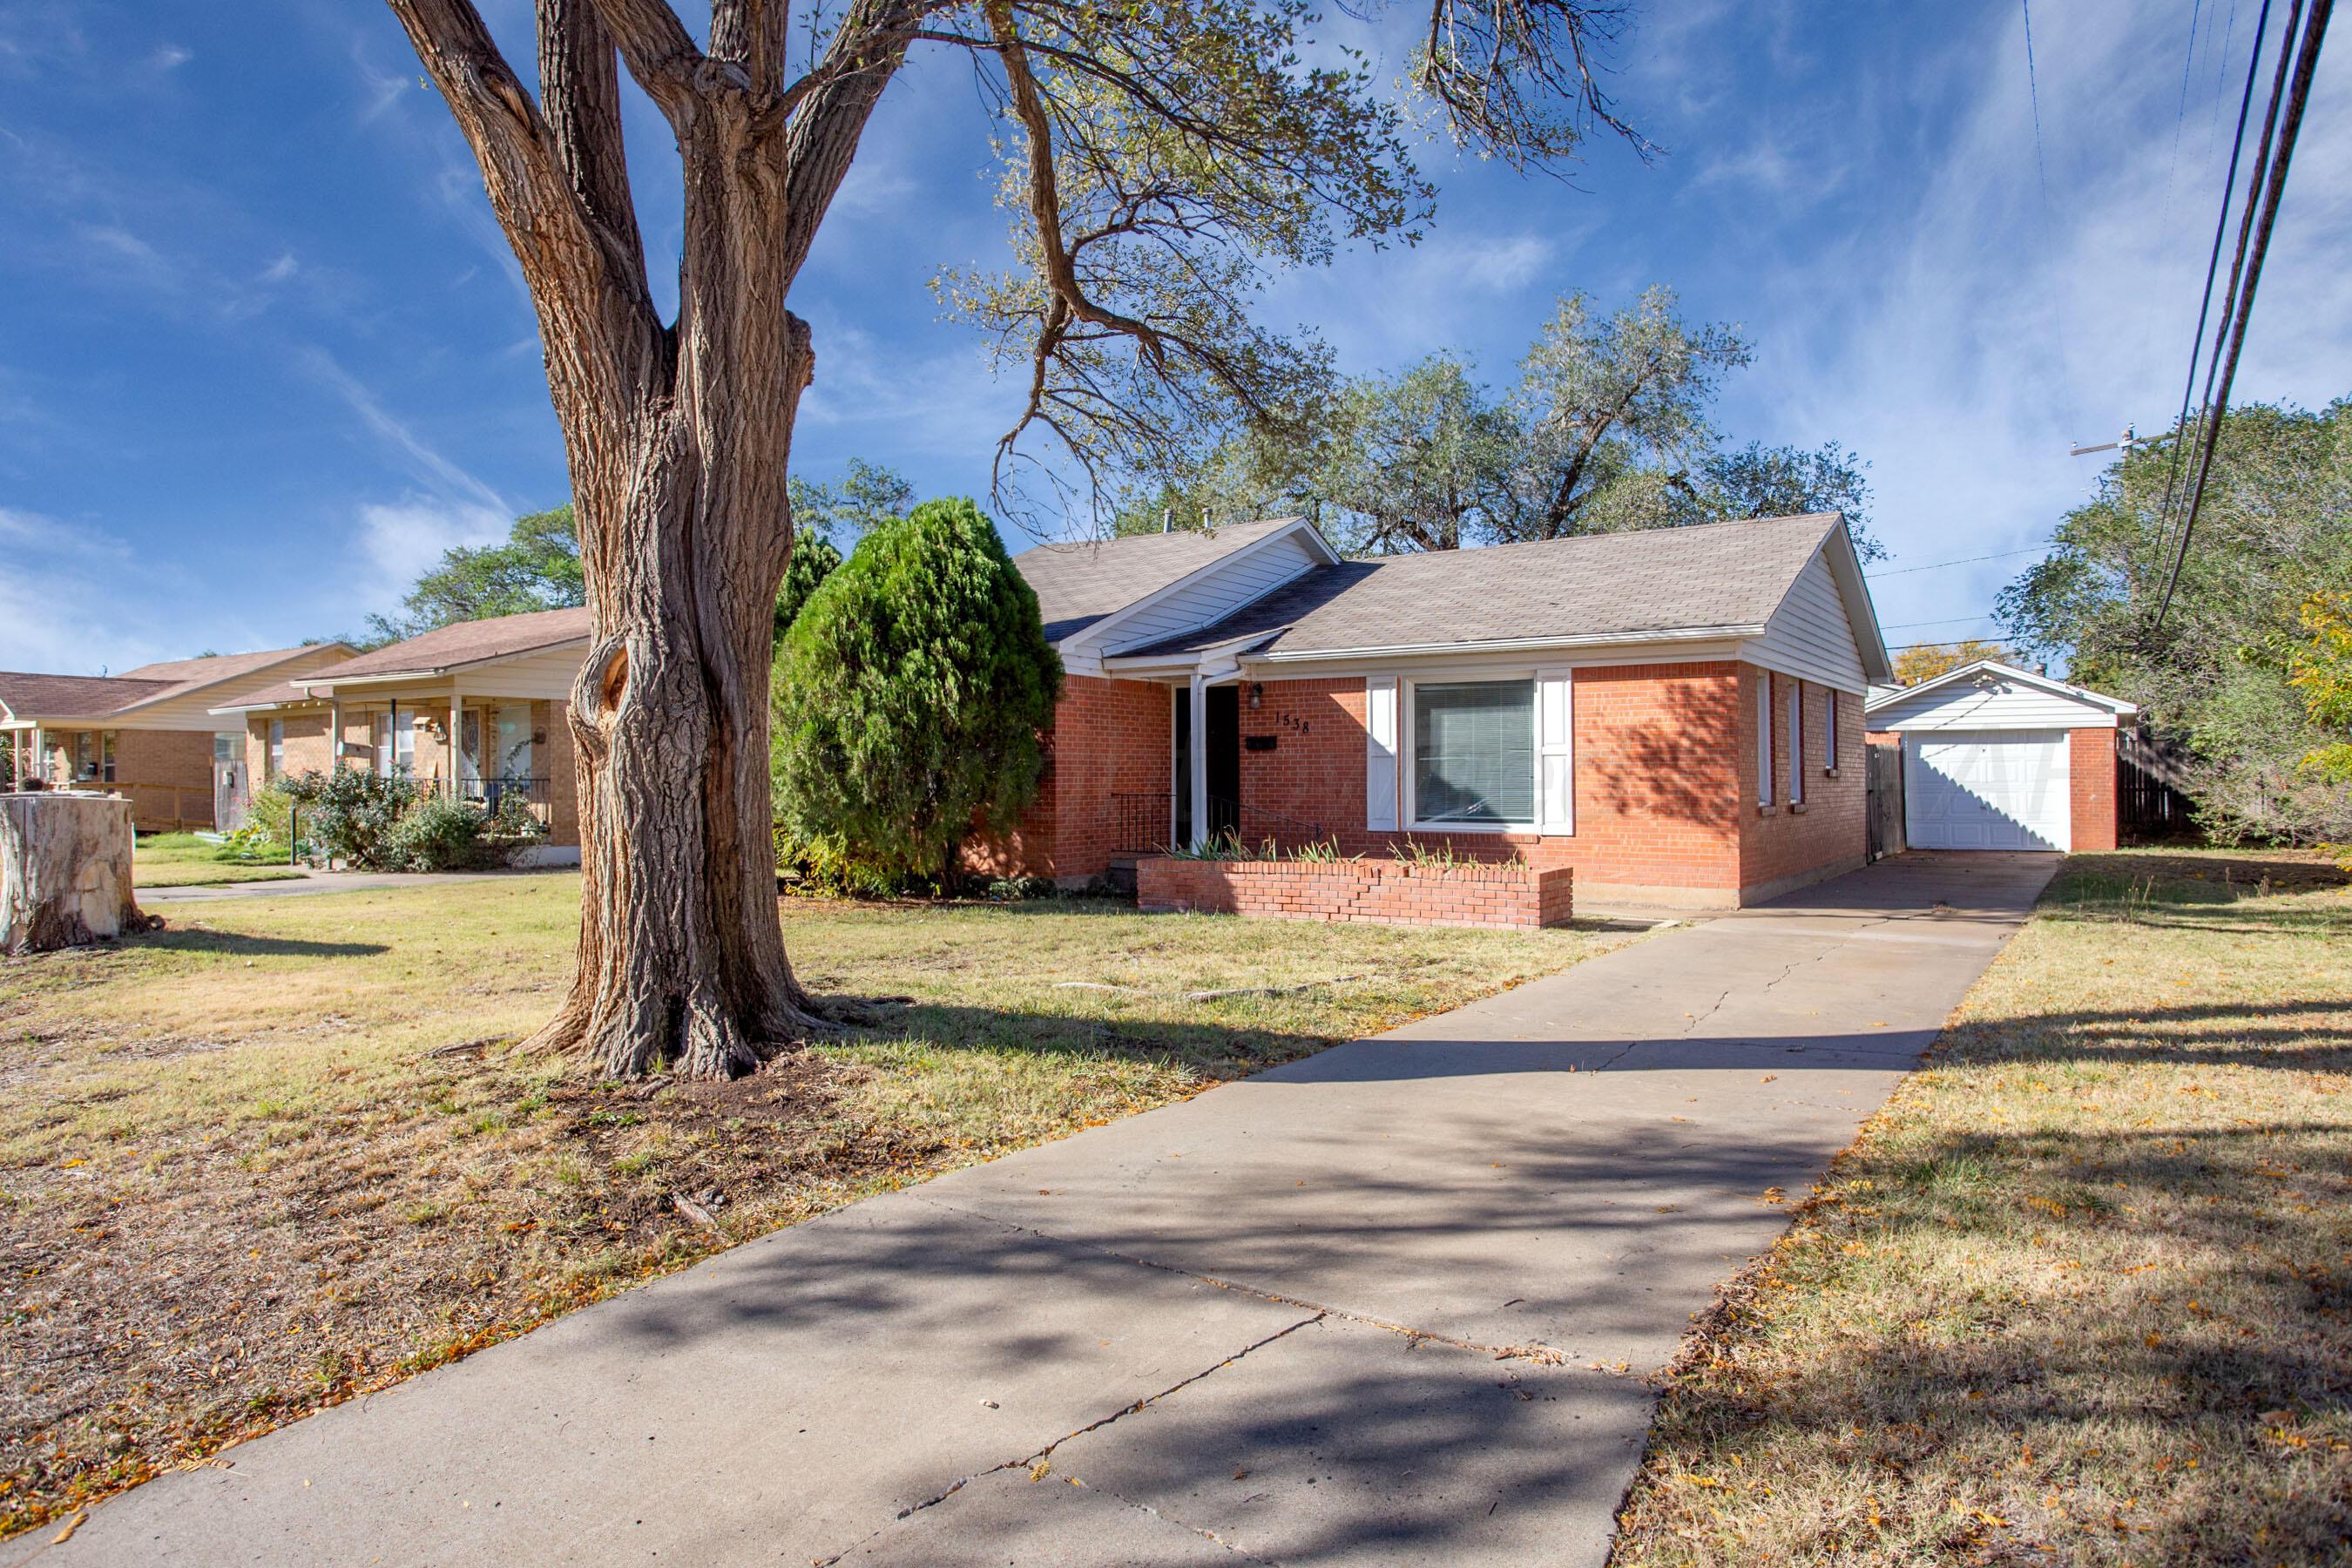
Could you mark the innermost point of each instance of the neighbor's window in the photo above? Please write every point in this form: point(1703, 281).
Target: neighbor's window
point(278, 748)
point(395, 745)
point(1473, 752)
point(85, 755)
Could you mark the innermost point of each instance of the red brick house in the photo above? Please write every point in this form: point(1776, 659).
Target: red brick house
point(149, 732)
point(1995, 757)
point(1677, 715)
point(474, 709)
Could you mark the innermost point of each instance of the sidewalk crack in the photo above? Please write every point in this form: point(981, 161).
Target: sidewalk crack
point(1034, 1460)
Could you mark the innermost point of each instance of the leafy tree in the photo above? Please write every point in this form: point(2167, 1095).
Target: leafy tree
point(1926, 660)
point(867, 495)
point(911, 692)
point(537, 567)
point(2322, 671)
point(1607, 430)
point(2218, 674)
point(1159, 162)
point(814, 560)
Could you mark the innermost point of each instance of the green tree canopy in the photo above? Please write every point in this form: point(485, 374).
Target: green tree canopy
point(867, 495)
point(2275, 530)
point(910, 693)
point(1606, 428)
point(537, 567)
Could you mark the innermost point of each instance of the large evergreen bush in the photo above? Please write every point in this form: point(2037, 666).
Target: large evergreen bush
point(909, 696)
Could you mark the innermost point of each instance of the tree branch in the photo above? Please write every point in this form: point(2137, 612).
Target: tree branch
point(751, 34)
point(580, 91)
point(660, 52)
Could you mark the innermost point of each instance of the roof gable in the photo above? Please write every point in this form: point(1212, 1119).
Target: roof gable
point(1988, 694)
point(29, 695)
point(1080, 586)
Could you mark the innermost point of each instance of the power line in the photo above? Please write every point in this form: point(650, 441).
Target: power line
point(2306, 62)
point(1963, 561)
point(1947, 621)
point(2213, 265)
point(2041, 174)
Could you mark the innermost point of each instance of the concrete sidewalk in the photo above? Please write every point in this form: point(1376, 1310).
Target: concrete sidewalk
point(1275, 1322)
point(311, 883)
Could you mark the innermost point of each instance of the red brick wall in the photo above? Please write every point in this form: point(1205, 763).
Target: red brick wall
point(2091, 768)
point(1783, 846)
point(1656, 799)
point(1373, 892)
point(1110, 736)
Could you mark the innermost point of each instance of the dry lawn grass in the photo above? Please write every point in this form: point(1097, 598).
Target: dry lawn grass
point(2083, 1292)
point(236, 1181)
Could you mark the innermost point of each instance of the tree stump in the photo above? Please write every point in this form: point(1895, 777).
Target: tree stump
point(65, 870)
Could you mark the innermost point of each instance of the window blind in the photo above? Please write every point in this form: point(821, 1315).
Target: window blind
point(1474, 751)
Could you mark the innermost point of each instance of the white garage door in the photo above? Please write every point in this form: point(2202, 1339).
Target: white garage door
point(1985, 789)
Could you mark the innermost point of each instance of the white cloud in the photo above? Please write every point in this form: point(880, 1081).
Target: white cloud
point(169, 58)
point(64, 598)
point(398, 539)
point(282, 269)
point(428, 465)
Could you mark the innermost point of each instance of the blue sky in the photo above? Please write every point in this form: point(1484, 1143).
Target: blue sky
point(263, 354)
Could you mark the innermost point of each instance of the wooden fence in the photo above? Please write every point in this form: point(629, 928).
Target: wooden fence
point(1882, 782)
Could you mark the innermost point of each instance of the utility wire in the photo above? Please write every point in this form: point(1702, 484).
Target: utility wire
point(1947, 621)
point(2042, 173)
point(2306, 62)
point(2212, 267)
point(1963, 561)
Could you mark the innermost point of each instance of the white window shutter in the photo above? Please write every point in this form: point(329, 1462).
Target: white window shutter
point(1556, 751)
point(1380, 752)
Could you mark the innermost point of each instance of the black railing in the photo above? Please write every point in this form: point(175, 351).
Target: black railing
point(490, 793)
point(1142, 822)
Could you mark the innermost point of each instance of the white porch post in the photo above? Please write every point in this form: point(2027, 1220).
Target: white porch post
point(335, 731)
point(1199, 758)
point(456, 736)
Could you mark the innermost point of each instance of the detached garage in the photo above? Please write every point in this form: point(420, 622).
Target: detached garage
point(2000, 758)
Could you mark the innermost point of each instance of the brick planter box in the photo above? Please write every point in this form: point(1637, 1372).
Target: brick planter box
point(1376, 892)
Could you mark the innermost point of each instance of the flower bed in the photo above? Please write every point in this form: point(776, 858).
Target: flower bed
point(1374, 892)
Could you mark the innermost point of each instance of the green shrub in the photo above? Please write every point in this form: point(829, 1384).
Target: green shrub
point(350, 815)
point(269, 822)
point(440, 835)
point(910, 698)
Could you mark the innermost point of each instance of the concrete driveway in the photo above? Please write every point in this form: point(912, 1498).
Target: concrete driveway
point(1394, 1303)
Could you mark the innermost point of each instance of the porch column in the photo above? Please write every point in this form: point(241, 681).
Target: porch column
point(456, 736)
point(1199, 758)
point(335, 731)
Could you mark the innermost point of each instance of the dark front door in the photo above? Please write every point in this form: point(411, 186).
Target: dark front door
point(1224, 758)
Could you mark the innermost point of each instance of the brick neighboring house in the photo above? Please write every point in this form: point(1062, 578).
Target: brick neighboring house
point(474, 708)
point(1677, 715)
point(149, 732)
point(1995, 757)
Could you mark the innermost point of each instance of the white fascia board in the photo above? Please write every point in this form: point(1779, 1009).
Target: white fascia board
point(2114, 705)
point(1316, 544)
point(1853, 590)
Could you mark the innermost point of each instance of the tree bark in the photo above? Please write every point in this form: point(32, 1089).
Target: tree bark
point(677, 439)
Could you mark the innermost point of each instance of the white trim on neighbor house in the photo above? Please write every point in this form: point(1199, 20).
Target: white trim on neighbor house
point(1990, 695)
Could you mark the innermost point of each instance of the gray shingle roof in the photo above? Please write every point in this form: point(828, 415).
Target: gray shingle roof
point(31, 696)
point(1605, 585)
point(1078, 585)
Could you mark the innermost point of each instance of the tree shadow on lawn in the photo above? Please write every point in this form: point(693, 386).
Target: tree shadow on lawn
point(2158, 1345)
point(237, 945)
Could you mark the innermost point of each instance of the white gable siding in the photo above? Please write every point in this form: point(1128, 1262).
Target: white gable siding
point(1245, 576)
point(1998, 705)
point(194, 709)
point(548, 674)
point(1810, 635)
